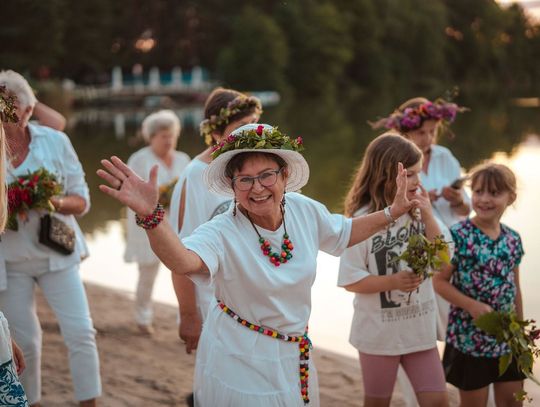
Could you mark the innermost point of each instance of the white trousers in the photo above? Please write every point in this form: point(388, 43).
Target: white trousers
point(65, 294)
point(143, 295)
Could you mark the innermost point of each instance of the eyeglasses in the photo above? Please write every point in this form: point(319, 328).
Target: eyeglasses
point(266, 179)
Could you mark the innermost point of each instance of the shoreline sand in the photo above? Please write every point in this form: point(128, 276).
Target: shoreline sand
point(142, 371)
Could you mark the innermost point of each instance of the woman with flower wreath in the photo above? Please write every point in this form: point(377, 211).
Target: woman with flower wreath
point(25, 262)
point(261, 256)
point(192, 204)
point(12, 362)
point(160, 130)
point(421, 121)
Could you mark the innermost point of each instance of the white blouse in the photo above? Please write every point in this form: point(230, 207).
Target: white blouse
point(443, 169)
point(246, 281)
point(52, 150)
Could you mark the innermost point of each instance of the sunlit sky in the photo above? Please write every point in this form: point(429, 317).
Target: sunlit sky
point(532, 6)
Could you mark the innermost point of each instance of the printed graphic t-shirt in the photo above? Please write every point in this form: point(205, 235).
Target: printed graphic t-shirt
point(390, 322)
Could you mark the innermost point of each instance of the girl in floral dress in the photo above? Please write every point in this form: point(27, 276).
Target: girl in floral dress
point(483, 277)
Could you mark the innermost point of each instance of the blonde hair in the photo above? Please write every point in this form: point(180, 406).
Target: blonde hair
point(3, 186)
point(494, 178)
point(374, 184)
point(160, 120)
point(18, 86)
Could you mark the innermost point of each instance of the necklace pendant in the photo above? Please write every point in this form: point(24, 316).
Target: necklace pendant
point(281, 256)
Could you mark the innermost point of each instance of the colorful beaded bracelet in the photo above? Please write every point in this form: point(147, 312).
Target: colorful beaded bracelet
point(304, 344)
point(152, 220)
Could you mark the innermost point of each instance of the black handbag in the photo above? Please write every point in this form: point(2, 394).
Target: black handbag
point(56, 234)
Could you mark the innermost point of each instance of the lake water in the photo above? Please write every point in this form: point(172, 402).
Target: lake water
point(335, 137)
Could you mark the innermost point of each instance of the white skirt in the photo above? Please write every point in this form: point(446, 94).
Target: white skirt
point(237, 367)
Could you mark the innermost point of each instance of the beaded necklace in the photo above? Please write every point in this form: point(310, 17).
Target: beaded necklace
point(286, 248)
point(304, 345)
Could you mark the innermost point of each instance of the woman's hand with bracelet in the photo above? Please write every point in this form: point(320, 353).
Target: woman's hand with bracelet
point(128, 188)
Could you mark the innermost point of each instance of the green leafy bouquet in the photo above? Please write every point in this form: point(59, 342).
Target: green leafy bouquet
point(424, 256)
point(520, 336)
point(31, 191)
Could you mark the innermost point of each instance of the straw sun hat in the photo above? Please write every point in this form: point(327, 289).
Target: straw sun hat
point(257, 138)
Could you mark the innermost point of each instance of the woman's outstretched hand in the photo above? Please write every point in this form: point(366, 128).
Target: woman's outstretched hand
point(127, 187)
point(402, 204)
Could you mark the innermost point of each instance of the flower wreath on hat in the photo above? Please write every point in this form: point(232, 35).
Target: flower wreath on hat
point(257, 138)
point(237, 105)
point(8, 111)
point(412, 118)
point(261, 137)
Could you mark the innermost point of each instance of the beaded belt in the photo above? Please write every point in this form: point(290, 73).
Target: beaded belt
point(304, 344)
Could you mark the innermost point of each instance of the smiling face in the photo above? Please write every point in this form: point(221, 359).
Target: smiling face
point(413, 179)
point(489, 203)
point(260, 201)
point(424, 136)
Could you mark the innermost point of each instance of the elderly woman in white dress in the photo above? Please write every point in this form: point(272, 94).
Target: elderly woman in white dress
point(161, 131)
point(420, 120)
point(261, 255)
point(25, 262)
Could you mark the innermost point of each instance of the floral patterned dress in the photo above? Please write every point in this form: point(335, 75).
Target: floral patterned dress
point(484, 270)
point(11, 390)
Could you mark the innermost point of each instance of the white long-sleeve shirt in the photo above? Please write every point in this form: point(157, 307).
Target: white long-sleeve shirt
point(52, 150)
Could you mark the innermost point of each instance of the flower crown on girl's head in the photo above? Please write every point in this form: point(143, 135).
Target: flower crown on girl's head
point(7, 107)
point(412, 118)
point(237, 105)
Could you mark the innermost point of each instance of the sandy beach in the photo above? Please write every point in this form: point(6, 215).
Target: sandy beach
point(141, 371)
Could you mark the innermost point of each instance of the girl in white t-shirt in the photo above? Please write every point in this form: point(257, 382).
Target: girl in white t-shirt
point(394, 310)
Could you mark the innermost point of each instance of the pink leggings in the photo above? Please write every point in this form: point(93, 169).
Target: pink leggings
point(424, 370)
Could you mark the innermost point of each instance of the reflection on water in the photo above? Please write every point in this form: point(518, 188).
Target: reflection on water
point(335, 137)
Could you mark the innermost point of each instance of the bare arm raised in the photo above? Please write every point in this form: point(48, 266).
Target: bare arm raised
point(142, 197)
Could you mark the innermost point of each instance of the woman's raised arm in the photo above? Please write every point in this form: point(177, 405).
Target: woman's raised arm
point(142, 197)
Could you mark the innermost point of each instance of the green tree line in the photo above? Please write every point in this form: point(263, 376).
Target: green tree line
point(307, 47)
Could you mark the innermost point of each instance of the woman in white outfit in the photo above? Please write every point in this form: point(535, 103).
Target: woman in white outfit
point(192, 204)
point(161, 131)
point(25, 263)
point(261, 256)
